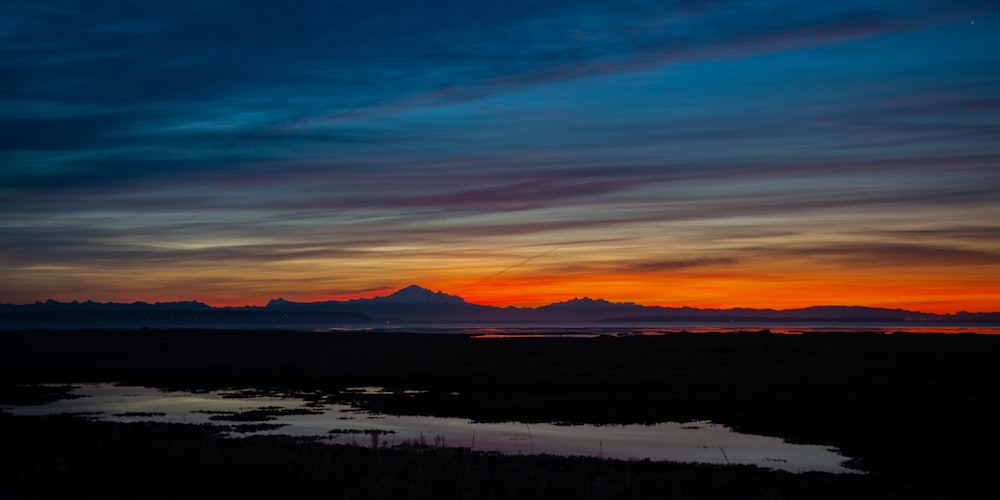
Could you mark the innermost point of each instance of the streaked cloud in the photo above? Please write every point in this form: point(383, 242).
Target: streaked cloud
point(236, 151)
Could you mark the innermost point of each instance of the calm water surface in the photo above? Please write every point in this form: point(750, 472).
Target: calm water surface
point(597, 329)
point(345, 424)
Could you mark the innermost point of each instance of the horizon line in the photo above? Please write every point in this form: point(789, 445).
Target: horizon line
point(576, 298)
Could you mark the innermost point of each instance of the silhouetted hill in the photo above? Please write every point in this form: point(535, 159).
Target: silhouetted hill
point(415, 294)
point(89, 314)
point(412, 303)
point(54, 306)
point(415, 303)
point(814, 313)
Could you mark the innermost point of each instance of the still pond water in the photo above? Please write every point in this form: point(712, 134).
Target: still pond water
point(246, 411)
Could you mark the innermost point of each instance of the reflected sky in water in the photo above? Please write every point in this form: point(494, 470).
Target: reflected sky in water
point(346, 424)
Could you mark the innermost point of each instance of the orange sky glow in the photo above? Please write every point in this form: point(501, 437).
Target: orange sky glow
point(807, 154)
point(548, 279)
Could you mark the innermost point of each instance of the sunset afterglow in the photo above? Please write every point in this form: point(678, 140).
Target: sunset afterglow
point(766, 154)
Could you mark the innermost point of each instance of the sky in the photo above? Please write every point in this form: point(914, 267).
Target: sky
point(772, 153)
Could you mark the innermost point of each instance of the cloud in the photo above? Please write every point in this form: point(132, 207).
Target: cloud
point(635, 36)
point(225, 133)
point(378, 58)
point(885, 255)
point(653, 266)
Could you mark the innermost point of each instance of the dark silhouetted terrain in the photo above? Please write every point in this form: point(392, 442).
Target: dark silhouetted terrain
point(416, 304)
point(912, 409)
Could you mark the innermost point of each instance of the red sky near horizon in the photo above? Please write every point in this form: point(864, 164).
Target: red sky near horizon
point(729, 288)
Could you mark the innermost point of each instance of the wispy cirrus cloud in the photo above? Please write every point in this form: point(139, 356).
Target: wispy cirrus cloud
point(878, 254)
point(654, 266)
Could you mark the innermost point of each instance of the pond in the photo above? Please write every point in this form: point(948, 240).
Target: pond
point(249, 413)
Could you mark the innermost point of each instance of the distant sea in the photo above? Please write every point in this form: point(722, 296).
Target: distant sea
point(597, 329)
point(533, 329)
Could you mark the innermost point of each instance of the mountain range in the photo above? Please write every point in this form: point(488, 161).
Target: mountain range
point(418, 304)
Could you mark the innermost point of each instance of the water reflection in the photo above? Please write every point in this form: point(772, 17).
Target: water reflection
point(247, 412)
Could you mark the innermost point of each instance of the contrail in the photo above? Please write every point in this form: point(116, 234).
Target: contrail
point(523, 262)
point(519, 264)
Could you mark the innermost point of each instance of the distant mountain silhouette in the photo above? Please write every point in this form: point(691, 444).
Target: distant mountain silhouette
point(412, 303)
point(411, 295)
point(415, 294)
point(52, 305)
point(415, 303)
point(194, 314)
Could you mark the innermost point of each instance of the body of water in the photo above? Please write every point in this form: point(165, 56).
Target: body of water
point(553, 328)
point(247, 413)
point(597, 329)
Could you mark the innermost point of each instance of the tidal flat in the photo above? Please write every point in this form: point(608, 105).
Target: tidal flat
point(911, 410)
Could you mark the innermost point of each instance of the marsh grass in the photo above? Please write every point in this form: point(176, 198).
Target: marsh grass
point(259, 414)
point(140, 414)
point(251, 428)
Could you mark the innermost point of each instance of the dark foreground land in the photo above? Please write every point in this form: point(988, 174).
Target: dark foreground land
point(916, 411)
